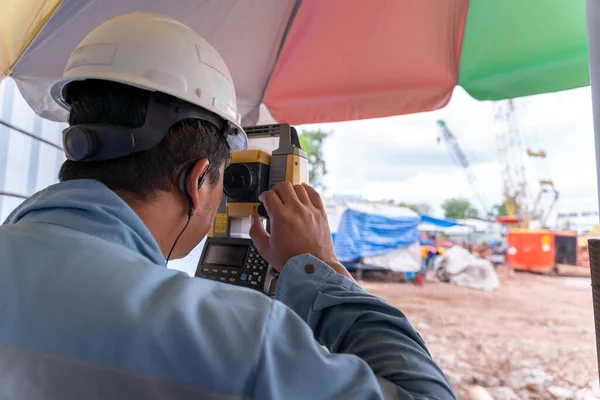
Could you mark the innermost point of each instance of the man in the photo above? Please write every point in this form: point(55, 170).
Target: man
point(88, 309)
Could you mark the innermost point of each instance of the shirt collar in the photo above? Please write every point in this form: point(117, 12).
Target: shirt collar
point(89, 206)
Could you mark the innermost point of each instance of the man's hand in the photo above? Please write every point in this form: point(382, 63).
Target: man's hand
point(298, 226)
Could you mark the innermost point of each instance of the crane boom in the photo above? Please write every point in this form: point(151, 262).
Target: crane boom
point(460, 158)
point(511, 156)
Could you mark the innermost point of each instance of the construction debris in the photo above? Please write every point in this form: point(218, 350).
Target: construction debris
point(458, 266)
point(504, 393)
point(534, 380)
point(479, 393)
point(561, 393)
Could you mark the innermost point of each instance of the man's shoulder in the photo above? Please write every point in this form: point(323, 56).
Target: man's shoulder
point(196, 323)
point(118, 308)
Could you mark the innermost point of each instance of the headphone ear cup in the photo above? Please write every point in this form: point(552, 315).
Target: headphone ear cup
point(79, 143)
point(182, 179)
point(183, 176)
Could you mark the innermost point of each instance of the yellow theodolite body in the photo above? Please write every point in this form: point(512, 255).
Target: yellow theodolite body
point(229, 255)
point(250, 172)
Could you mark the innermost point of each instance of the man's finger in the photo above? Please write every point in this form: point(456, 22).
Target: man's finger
point(271, 201)
point(314, 197)
point(259, 235)
point(302, 195)
point(286, 192)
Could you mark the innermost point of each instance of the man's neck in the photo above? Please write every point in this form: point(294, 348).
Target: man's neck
point(162, 216)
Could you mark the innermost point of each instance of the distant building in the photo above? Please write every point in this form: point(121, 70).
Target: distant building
point(349, 197)
point(27, 164)
point(581, 221)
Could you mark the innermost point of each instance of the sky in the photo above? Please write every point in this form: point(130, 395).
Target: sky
point(399, 158)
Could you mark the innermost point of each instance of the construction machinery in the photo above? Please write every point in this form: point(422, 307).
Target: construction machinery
point(530, 245)
point(531, 248)
point(519, 213)
point(461, 160)
point(511, 154)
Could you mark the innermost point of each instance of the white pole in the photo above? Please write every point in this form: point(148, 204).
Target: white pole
point(593, 28)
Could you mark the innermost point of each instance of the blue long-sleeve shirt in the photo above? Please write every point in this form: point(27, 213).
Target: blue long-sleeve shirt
point(89, 311)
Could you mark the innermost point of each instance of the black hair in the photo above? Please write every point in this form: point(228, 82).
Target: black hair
point(146, 173)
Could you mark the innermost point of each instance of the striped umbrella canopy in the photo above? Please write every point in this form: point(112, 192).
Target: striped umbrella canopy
point(330, 60)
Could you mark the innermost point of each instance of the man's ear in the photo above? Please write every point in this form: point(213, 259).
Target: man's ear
point(195, 179)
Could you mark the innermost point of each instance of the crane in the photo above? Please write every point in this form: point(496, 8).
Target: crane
point(459, 158)
point(511, 155)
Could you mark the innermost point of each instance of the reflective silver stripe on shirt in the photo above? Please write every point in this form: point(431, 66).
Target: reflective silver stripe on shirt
point(31, 375)
point(388, 389)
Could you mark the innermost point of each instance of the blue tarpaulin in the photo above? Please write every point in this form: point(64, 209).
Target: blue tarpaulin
point(364, 234)
point(442, 223)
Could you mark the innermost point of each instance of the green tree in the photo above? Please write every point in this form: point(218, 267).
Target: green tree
point(459, 208)
point(312, 143)
point(501, 210)
point(421, 208)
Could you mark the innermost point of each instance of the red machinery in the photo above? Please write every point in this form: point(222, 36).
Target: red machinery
point(541, 250)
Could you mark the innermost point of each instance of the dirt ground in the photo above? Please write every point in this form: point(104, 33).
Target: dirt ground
point(533, 338)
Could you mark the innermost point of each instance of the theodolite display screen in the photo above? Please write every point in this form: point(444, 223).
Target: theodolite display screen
point(225, 255)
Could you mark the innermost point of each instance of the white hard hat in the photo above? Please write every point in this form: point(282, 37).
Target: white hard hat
point(156, 53)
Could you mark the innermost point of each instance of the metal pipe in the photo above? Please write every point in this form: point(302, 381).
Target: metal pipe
point(592, 11)
point(20, 196)
point(31, 135)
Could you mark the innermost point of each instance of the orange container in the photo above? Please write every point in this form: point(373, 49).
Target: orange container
point(540, 250)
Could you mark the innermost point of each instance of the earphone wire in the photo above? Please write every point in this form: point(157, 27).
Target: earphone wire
point(190, 214)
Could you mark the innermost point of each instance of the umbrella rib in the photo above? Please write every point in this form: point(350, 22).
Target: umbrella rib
point(280, 49)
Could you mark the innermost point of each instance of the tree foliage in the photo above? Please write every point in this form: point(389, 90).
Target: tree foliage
point(501, 210)
point(459, 208)
point(312, 143)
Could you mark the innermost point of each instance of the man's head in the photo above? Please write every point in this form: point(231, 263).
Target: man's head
point(142, 178)
point(148, 71)
point(142, 175)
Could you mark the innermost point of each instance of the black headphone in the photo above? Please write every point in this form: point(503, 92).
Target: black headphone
point(98, 142)
point(182, 187)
